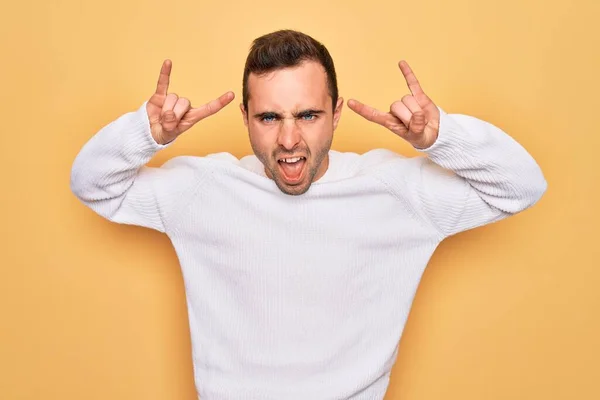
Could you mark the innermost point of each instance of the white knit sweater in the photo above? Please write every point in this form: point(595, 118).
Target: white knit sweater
point(304, 297)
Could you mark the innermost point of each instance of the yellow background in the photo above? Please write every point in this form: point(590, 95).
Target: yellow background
point(95, 310)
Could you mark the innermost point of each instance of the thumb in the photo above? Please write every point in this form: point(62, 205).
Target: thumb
point(169, 121)
point(165, 129)
point(417, 123)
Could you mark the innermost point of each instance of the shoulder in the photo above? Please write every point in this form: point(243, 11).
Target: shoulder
point(187, 169)
point(376, 157)
point(198, 163)
point(367, 162)
point(183, 176)
point(398, 170)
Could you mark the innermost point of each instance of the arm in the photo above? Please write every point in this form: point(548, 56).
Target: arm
point(474, 174)
point(110, 177)
point(109, 174)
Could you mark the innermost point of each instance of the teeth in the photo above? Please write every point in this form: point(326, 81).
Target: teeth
point(292, 160)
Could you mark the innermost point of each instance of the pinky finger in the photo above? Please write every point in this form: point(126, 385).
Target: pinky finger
point(211, 108)
point(369, 113)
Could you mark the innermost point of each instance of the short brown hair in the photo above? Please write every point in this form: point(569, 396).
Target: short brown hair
point(287, 48)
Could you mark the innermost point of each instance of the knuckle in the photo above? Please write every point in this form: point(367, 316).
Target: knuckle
point(374, 114)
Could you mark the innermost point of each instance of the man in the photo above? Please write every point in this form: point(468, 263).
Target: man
point(300, 262)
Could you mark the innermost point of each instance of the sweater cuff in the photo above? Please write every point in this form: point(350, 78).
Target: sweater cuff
point(143, 132)
point(450, 136)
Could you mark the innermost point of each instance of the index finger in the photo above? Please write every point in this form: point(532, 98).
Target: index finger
point(411, 79)
point(163, 79)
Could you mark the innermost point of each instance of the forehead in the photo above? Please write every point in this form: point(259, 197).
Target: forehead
point(304, 85)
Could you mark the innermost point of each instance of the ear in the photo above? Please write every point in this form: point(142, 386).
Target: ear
point(244, 114)
point(338, 112)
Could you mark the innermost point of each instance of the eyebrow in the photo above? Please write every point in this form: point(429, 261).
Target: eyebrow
point(296, 114)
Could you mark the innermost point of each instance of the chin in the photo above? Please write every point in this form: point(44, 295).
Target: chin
point(294, 190)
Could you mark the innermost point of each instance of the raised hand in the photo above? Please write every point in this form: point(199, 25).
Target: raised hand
point(414, 118)
point(171, 115)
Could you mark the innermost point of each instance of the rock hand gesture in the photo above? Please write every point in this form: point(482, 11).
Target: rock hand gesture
point(171, 115)
point(414, 118)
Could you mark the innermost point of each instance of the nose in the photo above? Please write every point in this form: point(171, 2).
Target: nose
point(289, 134)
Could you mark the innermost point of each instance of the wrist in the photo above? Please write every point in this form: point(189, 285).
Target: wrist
point(426, 143)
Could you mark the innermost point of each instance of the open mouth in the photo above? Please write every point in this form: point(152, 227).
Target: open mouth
point(292, 168)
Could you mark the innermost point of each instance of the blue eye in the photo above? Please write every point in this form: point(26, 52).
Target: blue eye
point(268, 118)
point(309, 117)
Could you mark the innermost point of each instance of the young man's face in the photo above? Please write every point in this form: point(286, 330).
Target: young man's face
point(290, 122)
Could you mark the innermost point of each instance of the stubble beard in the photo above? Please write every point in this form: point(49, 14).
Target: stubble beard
point(273, 166)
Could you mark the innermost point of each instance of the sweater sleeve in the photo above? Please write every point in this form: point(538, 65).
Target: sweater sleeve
point(109, 174)
point(474, 174)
